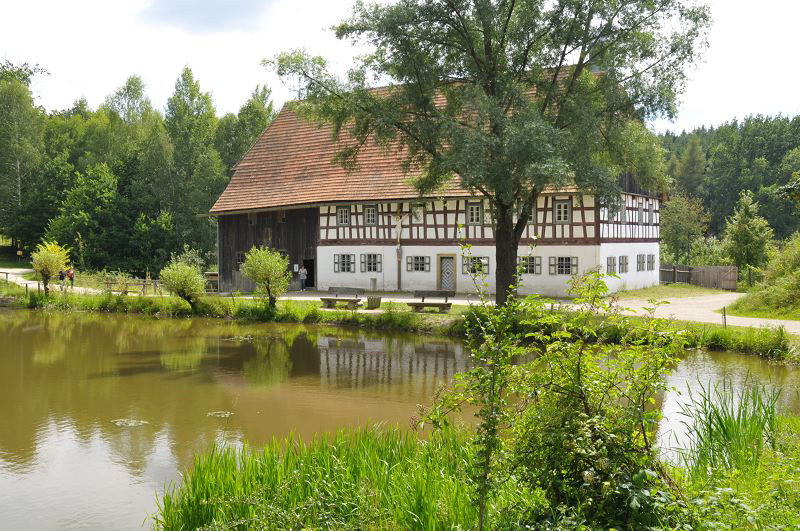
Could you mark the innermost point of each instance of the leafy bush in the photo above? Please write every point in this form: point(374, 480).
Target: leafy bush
point(269, 270)
point(184, 280)
point(48, 260)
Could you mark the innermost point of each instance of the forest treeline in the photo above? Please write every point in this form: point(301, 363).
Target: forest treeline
point(123, 185)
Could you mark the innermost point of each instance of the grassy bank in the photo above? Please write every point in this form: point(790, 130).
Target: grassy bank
point(367, 479)
point(667, 291)
point(773, 343)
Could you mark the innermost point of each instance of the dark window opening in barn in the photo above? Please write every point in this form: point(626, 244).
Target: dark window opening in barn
point(309, 265)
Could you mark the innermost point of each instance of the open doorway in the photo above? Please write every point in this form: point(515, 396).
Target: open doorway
point(312, 275)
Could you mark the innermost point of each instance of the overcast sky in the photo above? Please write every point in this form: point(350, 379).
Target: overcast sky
point(91, 46)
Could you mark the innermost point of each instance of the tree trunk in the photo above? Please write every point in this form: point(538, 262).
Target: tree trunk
point(506, 243)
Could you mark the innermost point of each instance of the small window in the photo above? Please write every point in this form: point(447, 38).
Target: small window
point(474, 213)
point(652, 213)
point(651, 262)
point(418, 263)
point(562, 212)
point(344, 263)
point(563, 265)
point(623, 264)
point(343, 216)
point(370, 215)
point(640, 262)
point(252, 218)
point(611, 264)
point(530, 265)
point(239, 260)
point(371, 263)
point(641, 213)
point(475, 265)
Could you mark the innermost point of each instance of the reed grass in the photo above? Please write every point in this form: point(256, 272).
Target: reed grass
point(366, 479)
point(727, 429)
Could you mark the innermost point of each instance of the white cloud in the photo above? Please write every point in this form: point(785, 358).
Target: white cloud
point(91, 46)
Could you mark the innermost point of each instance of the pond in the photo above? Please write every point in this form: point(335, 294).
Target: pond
point(99, 412)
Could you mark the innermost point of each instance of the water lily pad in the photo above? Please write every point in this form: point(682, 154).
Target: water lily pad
point(221, 414)
point(129, 423)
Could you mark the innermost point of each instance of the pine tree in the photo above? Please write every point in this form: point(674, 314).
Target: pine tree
point(747, 235)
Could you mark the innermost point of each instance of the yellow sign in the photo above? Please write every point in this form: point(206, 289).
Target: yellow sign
point(19, 253)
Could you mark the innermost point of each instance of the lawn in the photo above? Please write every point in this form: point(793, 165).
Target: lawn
point(667, 291)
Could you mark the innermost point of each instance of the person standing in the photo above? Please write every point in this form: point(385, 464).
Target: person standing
point(303, 274)
point(61, 277)
point(71, 277)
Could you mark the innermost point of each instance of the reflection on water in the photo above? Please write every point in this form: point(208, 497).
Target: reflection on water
point(98, 412)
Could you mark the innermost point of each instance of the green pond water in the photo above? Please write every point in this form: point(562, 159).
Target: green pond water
point(99, 412)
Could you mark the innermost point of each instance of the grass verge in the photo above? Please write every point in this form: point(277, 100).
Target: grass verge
point(666, 291)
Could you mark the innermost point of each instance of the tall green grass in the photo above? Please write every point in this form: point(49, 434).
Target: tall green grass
point(728, 429)
point(370, 478)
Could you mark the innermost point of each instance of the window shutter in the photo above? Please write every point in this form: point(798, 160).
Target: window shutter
point(363, 263)
point(380, 262)
point(537, 265)
point(427, 263)
point(485, 268)
point(336, 263)
point(408, 263)
point(574, 265)
point(352, 263)
point(464, 267)
point(552, 265)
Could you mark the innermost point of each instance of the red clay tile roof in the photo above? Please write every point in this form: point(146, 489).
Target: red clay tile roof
point(291, 165)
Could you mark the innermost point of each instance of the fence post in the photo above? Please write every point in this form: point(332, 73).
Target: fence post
point(37, 288)
point(724, 318)
point(674, 274)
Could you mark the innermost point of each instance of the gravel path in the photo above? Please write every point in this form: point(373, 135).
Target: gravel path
point(16, 276)
point(704, 308)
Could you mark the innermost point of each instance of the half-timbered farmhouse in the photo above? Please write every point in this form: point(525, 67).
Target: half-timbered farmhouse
point(369, 228)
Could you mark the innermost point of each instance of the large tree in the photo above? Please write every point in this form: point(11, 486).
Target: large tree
point(683, 222)
point(691, 170)
point(511, 97)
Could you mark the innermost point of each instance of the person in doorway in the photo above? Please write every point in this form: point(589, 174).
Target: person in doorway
point(303, 274)
point(71, 277)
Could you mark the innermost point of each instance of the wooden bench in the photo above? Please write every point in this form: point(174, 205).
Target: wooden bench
point(443, 307)
point(352, 302)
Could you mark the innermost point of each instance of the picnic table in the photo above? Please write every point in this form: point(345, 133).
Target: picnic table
point(340, 296)
point(443, 307)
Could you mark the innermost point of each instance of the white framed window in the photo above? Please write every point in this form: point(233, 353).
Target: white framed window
point(611, 264)
point(343, 216)
point(641, 212)
point(371, 263)
point(239, 260)
point(623, 264)
point(370, 215)
point(651, 213)
point(418, 263)
point(530, 265)
point(344, 263)
point(651, 262)
point(563, 265)
point(562, 212)
point(640, 262)
point(474, 213)
point(475, 265)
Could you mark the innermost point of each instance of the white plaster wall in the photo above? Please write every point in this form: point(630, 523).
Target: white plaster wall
point(632, 279)
point(544, 284)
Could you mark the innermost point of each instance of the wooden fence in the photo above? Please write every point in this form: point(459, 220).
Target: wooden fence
point(718, 277)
